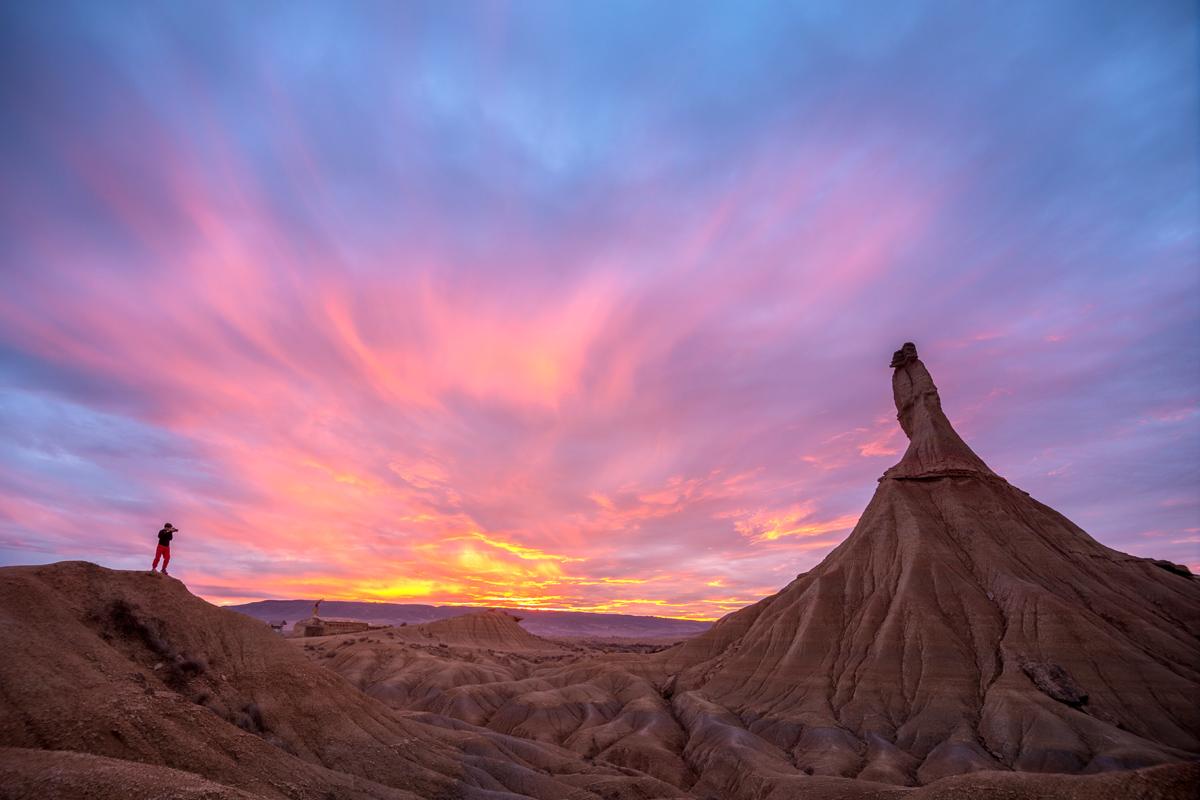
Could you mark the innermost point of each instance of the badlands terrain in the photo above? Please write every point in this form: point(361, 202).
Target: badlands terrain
point(964, 641)
point(552, 624)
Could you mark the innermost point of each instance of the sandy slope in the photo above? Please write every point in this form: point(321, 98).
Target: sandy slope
point(64, 775)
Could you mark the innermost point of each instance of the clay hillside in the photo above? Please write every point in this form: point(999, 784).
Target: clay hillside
point(126, 679)
point(962, 626)
point(965, 641)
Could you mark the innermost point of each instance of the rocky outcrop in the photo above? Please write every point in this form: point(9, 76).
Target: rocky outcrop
point(935, 449)
point(961, 626)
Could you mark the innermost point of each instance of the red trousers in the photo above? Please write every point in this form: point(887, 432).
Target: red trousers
point(163, 552)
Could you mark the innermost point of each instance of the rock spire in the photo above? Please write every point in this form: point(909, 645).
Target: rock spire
point(935, 450)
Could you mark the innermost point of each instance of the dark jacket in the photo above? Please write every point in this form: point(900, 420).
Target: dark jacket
point(164, 537)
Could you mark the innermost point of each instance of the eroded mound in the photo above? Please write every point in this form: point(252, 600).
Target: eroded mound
point(131, 666)
point(493, 628)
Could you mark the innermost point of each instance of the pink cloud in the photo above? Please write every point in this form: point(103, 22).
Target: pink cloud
point(668, 409)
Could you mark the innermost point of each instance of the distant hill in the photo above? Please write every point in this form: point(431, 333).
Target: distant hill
point(563, 624)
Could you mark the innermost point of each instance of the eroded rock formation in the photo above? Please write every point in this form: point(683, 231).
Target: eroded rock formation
point(935, 450)
point(964, 638)
point(961, 626)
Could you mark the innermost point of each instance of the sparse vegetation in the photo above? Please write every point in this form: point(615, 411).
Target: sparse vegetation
point(250, 718)
point(175, 668)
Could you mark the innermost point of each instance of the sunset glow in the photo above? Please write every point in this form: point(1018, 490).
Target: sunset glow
point(388, 302)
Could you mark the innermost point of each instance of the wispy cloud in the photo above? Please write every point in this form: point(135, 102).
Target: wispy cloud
point(404, 303)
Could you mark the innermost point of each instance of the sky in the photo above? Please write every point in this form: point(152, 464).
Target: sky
point(582, 305)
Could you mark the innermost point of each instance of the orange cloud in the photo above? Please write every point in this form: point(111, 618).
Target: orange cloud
point(797, 520)
point(527, 553)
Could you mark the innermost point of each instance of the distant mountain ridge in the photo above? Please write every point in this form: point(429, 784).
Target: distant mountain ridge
point(570, 624)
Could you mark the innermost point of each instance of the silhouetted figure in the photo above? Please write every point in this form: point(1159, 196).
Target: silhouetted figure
point(163, 550)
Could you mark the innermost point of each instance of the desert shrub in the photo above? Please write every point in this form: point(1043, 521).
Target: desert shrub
point(190, 667)
point(255, 713)
point(129, 623)
point(250, 718)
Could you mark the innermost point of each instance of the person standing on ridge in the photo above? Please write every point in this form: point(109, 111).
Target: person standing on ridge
point(164, 547)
